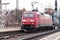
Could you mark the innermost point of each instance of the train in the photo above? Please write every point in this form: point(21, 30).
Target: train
point(33, 20)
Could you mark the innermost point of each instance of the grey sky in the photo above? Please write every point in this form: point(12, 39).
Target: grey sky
point(27, 4)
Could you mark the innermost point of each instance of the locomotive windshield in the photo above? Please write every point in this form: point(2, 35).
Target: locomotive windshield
point(28, 15)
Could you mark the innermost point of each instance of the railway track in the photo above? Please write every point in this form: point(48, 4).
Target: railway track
point(10, 34)
point(7, 35)
point(34, 35)
point(24, 36)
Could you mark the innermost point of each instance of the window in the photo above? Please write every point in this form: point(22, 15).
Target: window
point(28, 15)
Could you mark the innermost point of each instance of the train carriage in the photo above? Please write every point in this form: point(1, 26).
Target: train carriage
point(57, 19)
point(34, 20)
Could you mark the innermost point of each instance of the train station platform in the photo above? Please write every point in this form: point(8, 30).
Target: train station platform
point(55, 36)
point(9, 29)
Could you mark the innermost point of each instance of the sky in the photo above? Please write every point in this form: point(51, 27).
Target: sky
point(27, 4)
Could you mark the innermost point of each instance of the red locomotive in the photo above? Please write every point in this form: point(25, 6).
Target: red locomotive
point(34, 20)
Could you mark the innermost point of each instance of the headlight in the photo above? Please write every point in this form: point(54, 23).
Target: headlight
point(31, 20)
point(23, 20)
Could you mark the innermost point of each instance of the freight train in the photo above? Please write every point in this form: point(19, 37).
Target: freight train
point(34, 20)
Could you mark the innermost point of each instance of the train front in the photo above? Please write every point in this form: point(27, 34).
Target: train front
point(28, 21)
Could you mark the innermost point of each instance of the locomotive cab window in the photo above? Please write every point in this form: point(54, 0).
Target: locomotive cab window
point(28, 15)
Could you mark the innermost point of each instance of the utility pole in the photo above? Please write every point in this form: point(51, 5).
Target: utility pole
point(56, 9)
point(17, 8)
point(0, 7)
point(1, 23)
